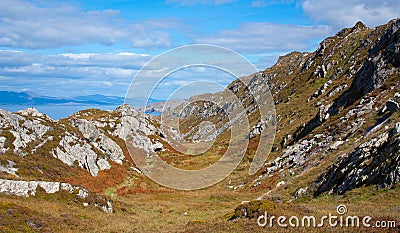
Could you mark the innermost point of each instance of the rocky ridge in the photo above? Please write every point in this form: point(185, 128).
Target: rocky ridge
point(342, 95)
point(90, 140)
point(81, 140)
point(337, 119)
point(337, 112)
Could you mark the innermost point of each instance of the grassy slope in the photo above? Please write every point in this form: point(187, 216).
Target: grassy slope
point(207, 211)
point(143, 206)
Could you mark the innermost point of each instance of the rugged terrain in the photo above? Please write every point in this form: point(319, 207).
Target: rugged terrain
point(337, 141)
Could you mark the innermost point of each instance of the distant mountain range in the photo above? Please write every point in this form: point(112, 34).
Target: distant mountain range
point(29, 98)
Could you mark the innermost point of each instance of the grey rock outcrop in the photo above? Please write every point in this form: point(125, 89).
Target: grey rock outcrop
point(24, 130)
point(106, 145)
point(31, 112)
point(322, 115)
point(396, 129)
point(261, 126)
point(137, 126)
point(299, 154)
point(92, 146)
point(370, 76)
point(103, 164)
point(321, 90)
point(375, 162)
point(29, 188)
point(132, 121)
point(71, 149)
point(384, 51)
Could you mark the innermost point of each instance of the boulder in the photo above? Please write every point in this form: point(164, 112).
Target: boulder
point(29, 188)
point(99, 140)
point(392, 105)
point(70, 149)
point(103, 164)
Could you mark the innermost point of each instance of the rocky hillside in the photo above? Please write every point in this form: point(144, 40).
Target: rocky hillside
point(375, 162)
point(86, 149)
point(33, 146)
point(343, 94)
point(329, 104)
point(353, 80)
point(336, 116)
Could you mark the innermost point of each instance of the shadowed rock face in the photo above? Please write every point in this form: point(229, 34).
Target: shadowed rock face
point(375, 162)
point(381, 63)
point(350, 84)
point(337, 118)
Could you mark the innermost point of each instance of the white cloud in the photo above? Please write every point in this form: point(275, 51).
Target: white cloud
point(12, 58)
point(69, 74)
point(24, 24)
point(36, 71)
point(124, 60)
point(30, 25)
point(120, 60)
point(345, 13)
point(266, 37)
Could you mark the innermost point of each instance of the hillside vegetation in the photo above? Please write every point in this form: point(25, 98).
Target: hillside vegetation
point(337, 142)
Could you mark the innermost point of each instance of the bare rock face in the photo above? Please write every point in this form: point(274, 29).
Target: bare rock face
point(9, 120)
point(300, 153)
point(321, 90)
point(2, 145)
point(71, 149)
point(31, 112)
point(376, 161)
point(103, 164)
point(322, 115)
point(106, 145)
point(137, 126)
point(260, 126)
point(132, 121)
point(19, 188)
point(25, 130)
point(381, 64)
point(29, 188)
point(385, 51)
point(392, 106)
point(87, 142)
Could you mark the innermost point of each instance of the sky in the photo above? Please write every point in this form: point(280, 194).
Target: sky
point(71, 48)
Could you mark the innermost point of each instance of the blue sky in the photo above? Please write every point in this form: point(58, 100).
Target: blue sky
point(69, 48)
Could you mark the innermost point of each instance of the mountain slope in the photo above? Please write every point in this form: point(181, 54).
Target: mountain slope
point(337, 132)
